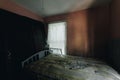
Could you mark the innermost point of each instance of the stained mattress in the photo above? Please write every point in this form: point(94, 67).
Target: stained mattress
point(57, 67)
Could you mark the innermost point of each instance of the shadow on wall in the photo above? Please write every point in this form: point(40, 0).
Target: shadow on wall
point(99, 30)
point(114, 43)
point(114, 53)
point(103, 43)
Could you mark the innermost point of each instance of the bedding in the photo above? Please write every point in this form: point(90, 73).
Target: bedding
point(59, 67)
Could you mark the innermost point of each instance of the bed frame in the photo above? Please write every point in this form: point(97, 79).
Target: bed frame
point(40, 55)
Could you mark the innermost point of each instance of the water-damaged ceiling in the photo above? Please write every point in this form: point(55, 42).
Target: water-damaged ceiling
point(54, 7)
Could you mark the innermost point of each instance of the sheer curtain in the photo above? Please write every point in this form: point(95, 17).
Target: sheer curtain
point(57, 36)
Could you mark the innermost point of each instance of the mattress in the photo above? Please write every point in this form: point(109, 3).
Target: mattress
point(58, 67)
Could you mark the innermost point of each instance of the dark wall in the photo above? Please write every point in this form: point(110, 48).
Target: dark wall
point(101, 30)
point(20, 36)
point(114, 42)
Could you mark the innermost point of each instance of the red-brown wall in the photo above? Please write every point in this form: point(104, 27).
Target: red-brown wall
point(101, 29)
point(114, 42)
point(115, 18)
point(77, 36)
point(86, 30)
point(13, 7)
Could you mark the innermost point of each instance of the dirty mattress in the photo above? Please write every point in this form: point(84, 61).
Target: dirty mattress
point(59, 67)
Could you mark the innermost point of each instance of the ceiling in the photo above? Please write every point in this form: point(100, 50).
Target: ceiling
point(54, 7)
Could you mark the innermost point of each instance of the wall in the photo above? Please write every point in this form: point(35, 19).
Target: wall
point(77, 37)
point(114, 43)
point(101, 29)
point(13, 7)
point(87, 30)
point(20, 37)
point(115, 18)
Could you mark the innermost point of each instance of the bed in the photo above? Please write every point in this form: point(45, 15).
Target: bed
point(47, 65)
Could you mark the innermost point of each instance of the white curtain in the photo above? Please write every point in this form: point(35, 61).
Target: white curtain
point(57, 36)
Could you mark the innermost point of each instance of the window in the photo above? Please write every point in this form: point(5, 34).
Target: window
point(57, 36)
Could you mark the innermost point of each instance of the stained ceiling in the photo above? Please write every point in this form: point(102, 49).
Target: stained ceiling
point(55, 7)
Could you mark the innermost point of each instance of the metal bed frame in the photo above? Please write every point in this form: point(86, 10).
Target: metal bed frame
point(40, 55)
